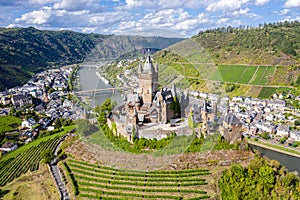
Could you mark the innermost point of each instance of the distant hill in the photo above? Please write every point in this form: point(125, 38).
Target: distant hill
point(25, 51)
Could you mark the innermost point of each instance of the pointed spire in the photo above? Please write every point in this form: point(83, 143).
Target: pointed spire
point(173, 90)
point(148, 65)
point(140, 68)
point(205, 109)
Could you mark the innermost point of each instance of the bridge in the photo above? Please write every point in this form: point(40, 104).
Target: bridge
point(102, 90)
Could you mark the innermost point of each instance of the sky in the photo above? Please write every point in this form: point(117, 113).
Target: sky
point(167, 18)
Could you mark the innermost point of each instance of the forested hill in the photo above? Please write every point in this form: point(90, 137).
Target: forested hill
point(25, 51)
point(269, 44)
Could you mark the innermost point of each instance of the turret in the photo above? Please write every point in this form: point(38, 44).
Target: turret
point(140, 68)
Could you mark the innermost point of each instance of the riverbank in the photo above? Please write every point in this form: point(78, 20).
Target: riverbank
point(102, 78)
point(276, 148)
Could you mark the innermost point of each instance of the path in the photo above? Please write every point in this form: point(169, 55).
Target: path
point(64, 195)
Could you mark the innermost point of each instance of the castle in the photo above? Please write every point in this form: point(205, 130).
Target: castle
point(149, 105)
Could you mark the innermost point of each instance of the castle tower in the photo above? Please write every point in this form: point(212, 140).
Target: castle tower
point(148, 81)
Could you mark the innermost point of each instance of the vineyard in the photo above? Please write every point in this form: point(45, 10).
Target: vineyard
point(26, 158)
point(254, 75)
point(95, 182)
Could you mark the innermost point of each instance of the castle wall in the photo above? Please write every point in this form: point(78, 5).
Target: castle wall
point(121, 129)
point(232, 133)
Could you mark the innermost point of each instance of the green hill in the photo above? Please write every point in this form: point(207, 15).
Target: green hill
point(272, 44)
point(236, 61)
point(25, 51)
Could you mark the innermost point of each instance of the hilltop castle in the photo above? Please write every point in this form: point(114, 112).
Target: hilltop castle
point(150, 104)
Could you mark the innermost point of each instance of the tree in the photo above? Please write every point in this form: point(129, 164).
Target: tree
point(108, 105)
point(12, 111)
point(58, 123)
point(265, 135)
point(47, 155)
point(282, 140)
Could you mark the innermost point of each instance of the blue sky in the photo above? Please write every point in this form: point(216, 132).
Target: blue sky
point(170, 18)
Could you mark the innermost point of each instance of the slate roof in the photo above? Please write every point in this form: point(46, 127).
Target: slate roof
point(231, 119)
point(8, 145)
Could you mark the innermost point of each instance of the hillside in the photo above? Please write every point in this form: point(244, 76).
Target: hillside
point(235, 60)
point(25, 51)
point(272, 44)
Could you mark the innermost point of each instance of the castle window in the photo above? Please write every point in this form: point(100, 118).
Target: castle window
point(147, 91)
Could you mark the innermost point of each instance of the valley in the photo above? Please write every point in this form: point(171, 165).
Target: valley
point(201, 84)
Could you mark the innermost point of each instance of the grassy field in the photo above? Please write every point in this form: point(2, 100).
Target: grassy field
point(96, 181)
point(9, 123)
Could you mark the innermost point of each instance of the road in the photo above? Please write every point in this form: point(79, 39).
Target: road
point(274, 147)
point(64, 195)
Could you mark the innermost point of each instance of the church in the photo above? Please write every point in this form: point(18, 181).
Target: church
point(150, 104)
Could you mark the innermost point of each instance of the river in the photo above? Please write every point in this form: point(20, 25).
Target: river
point(89, 80)
point(292, 163)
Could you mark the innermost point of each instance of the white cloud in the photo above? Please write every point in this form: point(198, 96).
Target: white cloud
point(108, 18)
point(89, 30)
point(261, 2)
point(141, 3)
point(284, 12)
point(168, 4)
point(292, 3)
point(171, 3)
point(42, 2)
point(37, 17)
point(241, 12)
point(222, 21)
point(226, 5)
point(73, 5)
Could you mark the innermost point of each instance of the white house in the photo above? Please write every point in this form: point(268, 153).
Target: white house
point(237, 99)
point(277, 104)
point(5, 100)
point(28, 123)
point(295, 135)
point(283, 131)
point(270, 117)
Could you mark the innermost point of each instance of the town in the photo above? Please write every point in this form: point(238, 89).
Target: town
point(44, 103)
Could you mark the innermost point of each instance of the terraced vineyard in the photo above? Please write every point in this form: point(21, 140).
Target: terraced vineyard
point(26, 157)
point(95, 182)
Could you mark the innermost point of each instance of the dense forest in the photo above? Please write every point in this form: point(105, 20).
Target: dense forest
point(270, 44)
point(25, 51)
point(262, 179)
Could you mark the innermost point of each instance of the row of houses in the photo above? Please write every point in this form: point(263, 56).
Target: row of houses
point(255, 115)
